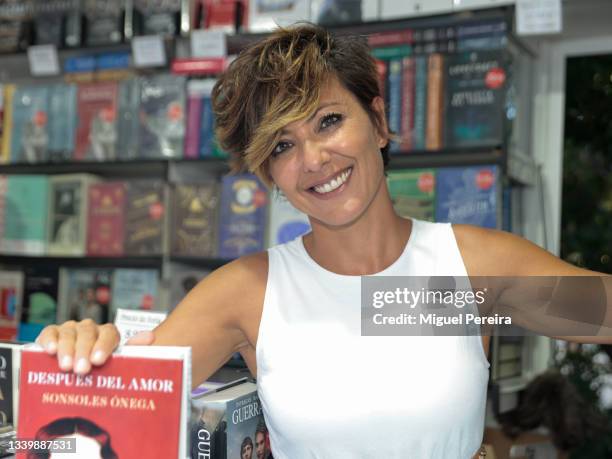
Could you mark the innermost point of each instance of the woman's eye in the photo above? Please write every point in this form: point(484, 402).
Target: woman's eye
point(280, 147)
point(329, 120)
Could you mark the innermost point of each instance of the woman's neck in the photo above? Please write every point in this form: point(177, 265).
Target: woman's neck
point(367, 245)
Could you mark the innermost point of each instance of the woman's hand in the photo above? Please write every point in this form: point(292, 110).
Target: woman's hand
point(79, 345)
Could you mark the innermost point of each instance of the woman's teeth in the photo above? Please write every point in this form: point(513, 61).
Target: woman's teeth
point(333, 183)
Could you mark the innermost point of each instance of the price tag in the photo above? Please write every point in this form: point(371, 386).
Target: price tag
point(536, 17)
point(149, 51)
point(43, 60)
point(208, 43)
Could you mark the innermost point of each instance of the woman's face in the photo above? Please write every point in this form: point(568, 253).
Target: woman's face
point(86, 448)
point(330, 166)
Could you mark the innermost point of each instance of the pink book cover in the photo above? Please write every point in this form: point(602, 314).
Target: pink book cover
point(192, 135)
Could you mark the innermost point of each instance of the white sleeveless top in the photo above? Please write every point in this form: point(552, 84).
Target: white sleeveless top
point(329, 393)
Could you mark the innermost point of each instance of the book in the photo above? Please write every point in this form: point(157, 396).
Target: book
point(242, 215)
point(117, 407)
point(406, 131)
point(96, 136)
point(25, 215)
point(11, 294)
point(3, 201)
point(338, 12)
point(62, 121)
point(128, 125)
point(135, 289)
point(266, 15)
point(394, 87)
point(476, 83)
point(145, 217)
point(285, 222)
point(106, 219)
point(226, 15)
point(162, 116)
point(194, 219)
point(467, 195)
point(413, 192)
point(29, 130)
point(8, 93)
point(420, 103)
point(68, 213)
point(183, 278)
point(103, 21)
point(228, 423)
point(157, 17)
point(39, 307)
point(130, 322)
point(194, 116)
point(84, 293)
point(435, 102)
point(10, 363)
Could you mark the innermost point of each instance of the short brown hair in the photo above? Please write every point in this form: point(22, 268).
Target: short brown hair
point(277, 81)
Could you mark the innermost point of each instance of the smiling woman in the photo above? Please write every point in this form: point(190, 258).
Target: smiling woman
point(302, 109)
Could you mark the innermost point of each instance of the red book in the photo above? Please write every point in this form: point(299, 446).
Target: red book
point(407, 113)
point(199, 66)
point(395, 37)
point(135, 405)
point(106, 219)
point(96, 136)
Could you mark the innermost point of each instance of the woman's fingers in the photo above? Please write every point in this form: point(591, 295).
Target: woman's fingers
point(67, 334)
point(48, 338)
point(108, 340)
point(86, 337)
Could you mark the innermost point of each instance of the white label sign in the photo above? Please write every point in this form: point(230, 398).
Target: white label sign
point(129, 322)
point(43, 60)
point(149, 51)
point(208, 43)
point(536, 17)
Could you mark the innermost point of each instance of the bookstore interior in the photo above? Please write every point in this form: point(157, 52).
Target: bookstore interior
point(116, 200)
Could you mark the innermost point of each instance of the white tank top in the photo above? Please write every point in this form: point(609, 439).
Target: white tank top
point(329, 393)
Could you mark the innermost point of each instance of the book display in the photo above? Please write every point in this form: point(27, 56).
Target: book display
point(116, 199)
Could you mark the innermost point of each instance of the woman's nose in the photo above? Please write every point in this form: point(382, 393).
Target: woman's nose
point(314, 156)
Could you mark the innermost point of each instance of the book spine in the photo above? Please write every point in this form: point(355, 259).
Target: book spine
point(420, 102)
point(395, 101)
point(390, 38)
point(206, 128)
point(381, 70)
point(192, 135)
point(433, 140)
point(407, 116)
point(392, 52)
point(7, 129)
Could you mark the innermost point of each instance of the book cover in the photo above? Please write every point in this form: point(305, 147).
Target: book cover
point(135, 289)
point(84, 294)
point(134, 406)
point(30, 134)
point(476, 89)
point(11, 295)
point(106, 219)
point(96, 136)
point(243, 214)
point(420, 102)
point(162, 116)
point(62, 121)
point(435, 102)
point(10, 362)
point(103, 21)
point(157, 17)
point(285, 222)
point(145, 217)
point(413, 192)
point(39, 301)
point(266, 15)
point(194, 219)
point(194, 116)
point(68, 213)
point(467, 195)
point(183, 278)
point(229, 16)
point(129, 125)
point(229, 423)
point(25, 215)
point(8, 93)
point(407, 114)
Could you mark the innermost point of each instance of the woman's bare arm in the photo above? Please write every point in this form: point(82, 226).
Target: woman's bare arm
point(213, 319)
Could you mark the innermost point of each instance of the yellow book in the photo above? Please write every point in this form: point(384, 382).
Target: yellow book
point(7, 127)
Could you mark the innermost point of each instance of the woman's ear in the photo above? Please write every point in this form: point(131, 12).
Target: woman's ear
point(378, 105)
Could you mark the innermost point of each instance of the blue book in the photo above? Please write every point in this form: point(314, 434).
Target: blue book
point(134, 289)
point(30, 134)
point(62, 121)
point(82, 64)
point(113, 61)
point(395, 100)
point(420, 102)
point(243, 216)
point(207, 135)
point(467, 195)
